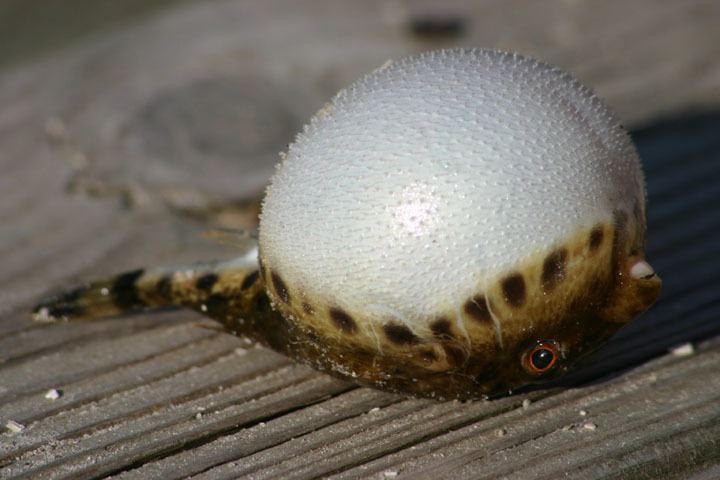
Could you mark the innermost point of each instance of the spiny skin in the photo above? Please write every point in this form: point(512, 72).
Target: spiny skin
point(426, 178)
point(434, 224)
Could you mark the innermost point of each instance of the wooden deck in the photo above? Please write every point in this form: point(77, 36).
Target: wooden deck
point(118, 149)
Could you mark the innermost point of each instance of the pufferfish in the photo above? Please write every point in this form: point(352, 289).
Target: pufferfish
point(456, 224)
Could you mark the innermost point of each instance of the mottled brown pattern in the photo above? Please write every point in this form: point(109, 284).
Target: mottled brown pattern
point(215, 305)
point(477, 309)
point(280, 287)
point(441, 359)
point(513, 288)
point(343, 320)
point(400, 334)
point(486, 358)
point(455, 354)
point(429, 356)
point(250, 280)
point(597, 235)
point(262, 302)
point(206, 282)
point(554, 269)
point(441, 327)
point(307, 308)
point(65, 305)
point(124, 290)
point(163, 287)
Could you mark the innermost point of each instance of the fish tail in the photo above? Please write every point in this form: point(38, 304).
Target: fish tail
point(129, 292)
point(219, 290)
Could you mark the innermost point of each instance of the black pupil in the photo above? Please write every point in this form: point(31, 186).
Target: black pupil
point(542, 358)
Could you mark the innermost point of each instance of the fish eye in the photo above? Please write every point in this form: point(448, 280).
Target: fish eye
point(542, 357)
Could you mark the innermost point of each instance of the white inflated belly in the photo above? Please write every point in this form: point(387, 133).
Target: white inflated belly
point(432, 174)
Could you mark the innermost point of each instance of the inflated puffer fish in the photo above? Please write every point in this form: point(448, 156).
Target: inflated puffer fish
point(455, 224)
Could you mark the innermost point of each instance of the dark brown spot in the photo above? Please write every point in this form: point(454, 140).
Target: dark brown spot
point(488, 375)
point(262, 303)
point(456, 355)
point(477, 308)
point(206, 282)
point(513, 288)
point(307, 308)
point(64, 305)
point(215, 305)
point(441, 327)
point(164, 287)
point(124, 290)
point(343, 321)
point(554, 269)
point(597, 234)
point(280, 287)
point(250, 280)
point(400, 334)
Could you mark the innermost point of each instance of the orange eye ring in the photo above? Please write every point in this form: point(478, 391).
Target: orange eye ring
point(542, 357)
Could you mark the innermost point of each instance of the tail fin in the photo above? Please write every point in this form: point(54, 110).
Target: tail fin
point(208, 288)
point(125, 293)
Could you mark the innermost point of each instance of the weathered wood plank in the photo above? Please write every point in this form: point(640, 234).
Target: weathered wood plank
point(93, 358)
point(632, 415)
point(26, 409)
point(140, 442)
point(264, 436)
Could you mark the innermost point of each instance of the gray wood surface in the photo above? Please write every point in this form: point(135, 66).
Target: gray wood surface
point(118, 149)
